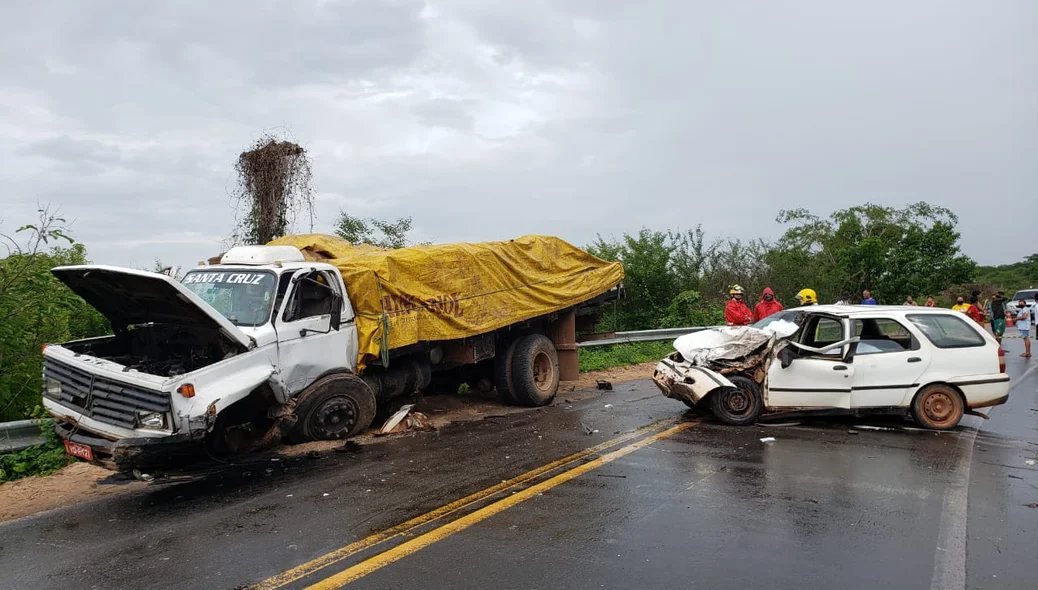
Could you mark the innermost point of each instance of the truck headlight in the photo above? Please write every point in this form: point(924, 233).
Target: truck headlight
point(52, 388)
point(152, 420)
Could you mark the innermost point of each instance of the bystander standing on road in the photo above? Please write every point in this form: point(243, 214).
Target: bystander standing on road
point(930, 302)
point(961, 305)
point(996, 311)
point(910, 302)
point(845, 298)
point(768, 305)
point(736, 312)
point(867, 298)
point(1022, 317)
point(974, 310)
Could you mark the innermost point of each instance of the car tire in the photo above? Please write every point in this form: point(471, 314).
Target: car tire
point(938, 407)
point(335, 407)
point(739, 405)
point(503, 374)
point(535, 371)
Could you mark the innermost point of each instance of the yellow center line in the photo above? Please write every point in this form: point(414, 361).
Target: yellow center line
point(442, 532)
point(301, 571)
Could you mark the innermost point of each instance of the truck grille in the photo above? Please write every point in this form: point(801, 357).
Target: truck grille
point(101, 398)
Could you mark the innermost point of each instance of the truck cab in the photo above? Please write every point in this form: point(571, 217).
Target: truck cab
point(229, 346)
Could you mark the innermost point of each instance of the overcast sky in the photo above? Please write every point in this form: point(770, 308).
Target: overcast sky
point(489, 119)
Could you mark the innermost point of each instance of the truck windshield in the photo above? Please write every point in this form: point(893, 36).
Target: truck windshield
point(244, 298)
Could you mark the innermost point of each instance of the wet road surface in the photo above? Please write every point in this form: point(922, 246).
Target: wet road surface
point(682, 502)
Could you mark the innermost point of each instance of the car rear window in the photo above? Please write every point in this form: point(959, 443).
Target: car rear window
point(947, 330)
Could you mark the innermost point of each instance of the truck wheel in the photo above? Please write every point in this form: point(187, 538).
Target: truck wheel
point(739, 405)
point(938, 407)
point(503, 374)
point(535, 371)
point(337, 406)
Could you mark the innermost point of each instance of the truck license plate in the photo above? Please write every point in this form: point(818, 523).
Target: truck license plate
point(77, 450)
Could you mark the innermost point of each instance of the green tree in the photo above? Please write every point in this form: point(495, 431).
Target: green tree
point(892, 252)
point(36, 308)
point(383, 234)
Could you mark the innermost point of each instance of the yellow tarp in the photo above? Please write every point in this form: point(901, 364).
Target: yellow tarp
point(448, 291)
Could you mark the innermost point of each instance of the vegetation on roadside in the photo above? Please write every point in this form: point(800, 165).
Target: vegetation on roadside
point(42, 459)
point(598, 358)
point(677, 279)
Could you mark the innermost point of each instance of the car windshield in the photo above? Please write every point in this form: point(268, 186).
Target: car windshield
point(788, 315)
point(1026, 295)
point(244, 298)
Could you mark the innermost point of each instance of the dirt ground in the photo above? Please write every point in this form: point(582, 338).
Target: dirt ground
point(82, 482)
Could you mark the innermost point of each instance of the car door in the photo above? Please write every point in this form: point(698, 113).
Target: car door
point(889, 359)
point(308, 346)
point(813, 379)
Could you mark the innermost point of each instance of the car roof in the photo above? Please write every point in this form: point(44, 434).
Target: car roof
point(861, 310)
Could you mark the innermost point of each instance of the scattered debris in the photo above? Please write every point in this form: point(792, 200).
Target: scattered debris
point(852, 431)
point(611, 475)
point(349, 447)
point(778, 424)
point(325, 495)
point(1030, 462)
point(1031, 505)
point(396, 418)
point(868, 427)
point(313, 455)
point(768, 439)
point(604, 385)
point(587, 429)
point(147, 477)
point(607, 406)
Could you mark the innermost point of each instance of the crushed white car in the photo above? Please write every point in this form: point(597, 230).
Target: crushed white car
point(932, 364)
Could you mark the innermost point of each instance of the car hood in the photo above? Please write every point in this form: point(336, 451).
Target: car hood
point(130, 297)
point(728, 344)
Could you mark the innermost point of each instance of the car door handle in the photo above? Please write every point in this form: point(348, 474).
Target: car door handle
point(840, 368)
point(915, 359)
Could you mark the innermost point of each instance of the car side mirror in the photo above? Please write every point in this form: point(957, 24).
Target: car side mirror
point(786, 356)
point(336, 312)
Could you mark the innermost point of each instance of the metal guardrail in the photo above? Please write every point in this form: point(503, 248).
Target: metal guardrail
point(644, 336)
point(18, 435)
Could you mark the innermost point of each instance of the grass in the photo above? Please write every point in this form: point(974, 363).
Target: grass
point(597, 358)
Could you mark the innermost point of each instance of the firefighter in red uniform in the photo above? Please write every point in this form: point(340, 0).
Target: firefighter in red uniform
point(736, 312)
point(768, 305)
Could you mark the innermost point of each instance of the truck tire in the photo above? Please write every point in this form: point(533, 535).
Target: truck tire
point(503, 374)
point(335, 407)
point(739, 405)
point(535, 371)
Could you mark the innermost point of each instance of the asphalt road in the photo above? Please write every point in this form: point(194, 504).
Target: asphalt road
point(653, 497)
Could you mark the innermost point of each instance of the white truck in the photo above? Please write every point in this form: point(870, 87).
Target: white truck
point(261, 346)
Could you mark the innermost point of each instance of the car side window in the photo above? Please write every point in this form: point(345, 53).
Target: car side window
point(312, 297)
point(820, 332)
point(947, 330)
point(880, 335)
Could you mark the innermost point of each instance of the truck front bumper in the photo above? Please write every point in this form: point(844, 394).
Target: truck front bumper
point(141, 453)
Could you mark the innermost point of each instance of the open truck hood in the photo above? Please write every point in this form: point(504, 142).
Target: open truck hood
point(130, 297)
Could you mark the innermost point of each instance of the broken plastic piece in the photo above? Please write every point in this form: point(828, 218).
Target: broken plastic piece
point(768, 439)
point(396, 419)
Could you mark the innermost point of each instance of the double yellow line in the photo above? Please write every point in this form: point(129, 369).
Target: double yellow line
point(443, 531)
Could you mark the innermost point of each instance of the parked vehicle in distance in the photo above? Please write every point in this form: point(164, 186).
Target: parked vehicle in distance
point(934, 365)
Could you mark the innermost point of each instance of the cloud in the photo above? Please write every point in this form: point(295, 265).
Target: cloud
point(487, 119)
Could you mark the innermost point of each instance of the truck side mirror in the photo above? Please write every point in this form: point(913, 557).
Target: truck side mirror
point(336, 312)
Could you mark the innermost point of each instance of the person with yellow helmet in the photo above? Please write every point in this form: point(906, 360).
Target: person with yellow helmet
point(807, 297)
point(736, 312)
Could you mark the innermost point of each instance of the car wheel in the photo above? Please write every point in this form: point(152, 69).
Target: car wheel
point(739, 405)
point(938, 407)
point(335, 407)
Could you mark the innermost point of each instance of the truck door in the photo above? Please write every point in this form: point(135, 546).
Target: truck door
point(308, 343)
